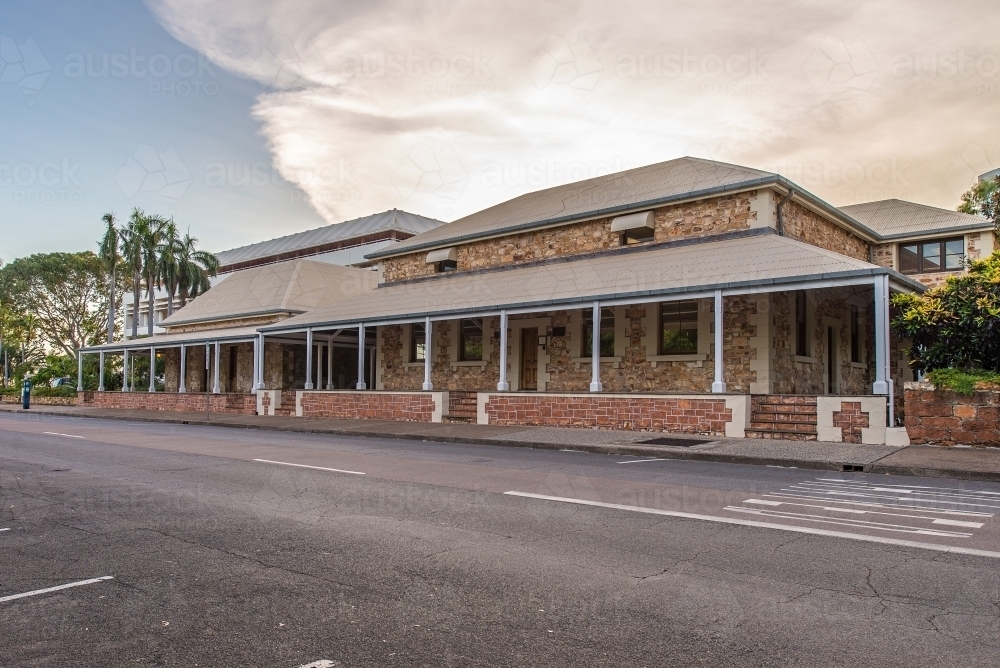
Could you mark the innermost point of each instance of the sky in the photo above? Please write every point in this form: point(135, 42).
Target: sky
point(246, 120)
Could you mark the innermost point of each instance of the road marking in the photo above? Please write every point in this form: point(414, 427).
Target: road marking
point(306, 466)
point(765, 525)
point(762, 502)
point(846, 521)
point(7, 529)
point(845, 510)
point(957, 523)
point(322, 663)
point(56, 433)
point(868, 504)
point(50, 589)
point(914, 487)
point(639, 461)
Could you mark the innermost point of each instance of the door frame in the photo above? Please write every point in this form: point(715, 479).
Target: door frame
point(515, 325)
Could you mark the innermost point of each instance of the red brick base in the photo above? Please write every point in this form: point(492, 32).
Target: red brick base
point(942, 417)
point(851, 421)
point(243, 404)
point(695, 416)
point(405, 407)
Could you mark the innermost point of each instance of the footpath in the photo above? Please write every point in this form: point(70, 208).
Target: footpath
point(915, 460)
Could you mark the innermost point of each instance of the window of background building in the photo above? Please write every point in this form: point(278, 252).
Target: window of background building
point(418, 343)
point(801, 326)
point(930, 256)
point(607, 333)
point(471, 341)
point(679, 327)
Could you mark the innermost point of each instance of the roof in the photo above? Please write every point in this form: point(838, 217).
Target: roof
point(168, 340)
point(739, 261)
point(892, 218)
point(394, 219)
point(683, 177)
point(284, 287)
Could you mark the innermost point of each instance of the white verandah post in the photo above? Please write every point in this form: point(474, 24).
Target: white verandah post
point(503, 385)
point(100, 372)
point(428, 384)
point(260, 363)
point(79, 370)
point(719, 385)
point(595, 352)
point(152, 369)
point(309, 359)
point(329, 364)
point(215, 385)
point(256, 365)
point(361, 357)
point(182, 385)
point(881, 289)
point(125, 387)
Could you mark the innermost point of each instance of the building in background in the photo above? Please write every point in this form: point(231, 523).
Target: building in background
point(344, 244)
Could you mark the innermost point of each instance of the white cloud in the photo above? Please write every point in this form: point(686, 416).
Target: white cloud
point(446, 108)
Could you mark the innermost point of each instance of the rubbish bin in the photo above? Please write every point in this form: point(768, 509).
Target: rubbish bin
point(26, 394)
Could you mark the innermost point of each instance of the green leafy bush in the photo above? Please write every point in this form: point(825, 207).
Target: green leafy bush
point(956, 325)
point(963, 382)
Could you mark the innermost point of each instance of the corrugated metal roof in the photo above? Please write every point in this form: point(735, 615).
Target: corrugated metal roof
point(633, 186)
point(379, 222)
point(167, 340)
point(758, 258)
point(896, 217)
point(294, 286)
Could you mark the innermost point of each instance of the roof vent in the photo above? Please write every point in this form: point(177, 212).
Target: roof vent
point(633, 221)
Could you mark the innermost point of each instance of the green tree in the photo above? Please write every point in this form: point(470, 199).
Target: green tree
point(168, 263)
point(956, 325)
point(983, 199)
point(131, 249)
point(195, 268)
point(59, 295)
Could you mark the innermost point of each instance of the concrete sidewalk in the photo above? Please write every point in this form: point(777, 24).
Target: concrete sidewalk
point(930, 461)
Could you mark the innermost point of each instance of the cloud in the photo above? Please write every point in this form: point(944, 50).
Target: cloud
point(446, 108)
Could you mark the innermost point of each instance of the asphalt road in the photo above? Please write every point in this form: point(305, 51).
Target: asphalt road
point(407, 553)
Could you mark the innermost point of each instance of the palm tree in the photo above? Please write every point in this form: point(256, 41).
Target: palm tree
point(195, 268)
point(110, 254)
point(131, 245)
point(151, 239)
point(168, 266)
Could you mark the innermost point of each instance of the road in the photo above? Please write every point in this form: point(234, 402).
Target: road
point(179, 545)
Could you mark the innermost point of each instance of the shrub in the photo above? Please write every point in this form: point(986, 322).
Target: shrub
point(963, 382)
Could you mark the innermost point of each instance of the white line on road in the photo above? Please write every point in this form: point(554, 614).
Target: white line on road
point(50, 589)
point(56, 433)
point(306, 466)
point(7, 529)
point(766, 525)
point(762, 502)
point(639, 461)
point(322, 663)
point(957, 523)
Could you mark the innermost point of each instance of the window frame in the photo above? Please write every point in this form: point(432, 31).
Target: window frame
point(416, 338)
point(661, 325)
point(462, 354)
point(942, 248)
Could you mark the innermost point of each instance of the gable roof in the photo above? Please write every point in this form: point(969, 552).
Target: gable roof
point(682, 178)
point(289, 287)
point(395, 219)
point(745, 260)
point(896, 218)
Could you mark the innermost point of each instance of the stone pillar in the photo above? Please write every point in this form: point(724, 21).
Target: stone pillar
point(719, 385)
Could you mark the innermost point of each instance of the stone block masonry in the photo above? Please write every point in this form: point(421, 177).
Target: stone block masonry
point(942, 417)
point(372, 405)
point(241, 404)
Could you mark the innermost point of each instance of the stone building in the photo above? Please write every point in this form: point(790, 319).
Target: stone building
point(688, 295)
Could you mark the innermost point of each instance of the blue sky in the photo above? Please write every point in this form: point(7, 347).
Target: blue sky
point(250, 119)
point(65, 148)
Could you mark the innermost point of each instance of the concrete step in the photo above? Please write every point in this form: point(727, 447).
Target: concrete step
point(459, 419)
point(779, 435)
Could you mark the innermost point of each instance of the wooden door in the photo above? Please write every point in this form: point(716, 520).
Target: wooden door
point(529, 358)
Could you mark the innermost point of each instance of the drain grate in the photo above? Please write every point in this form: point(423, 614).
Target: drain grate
point(854, 468)
point(679, 442)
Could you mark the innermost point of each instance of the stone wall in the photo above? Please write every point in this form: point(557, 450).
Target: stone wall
point(689, 219)
point(41, 401)
point(244, 404)
point(802, 224)
point(170, 362)
point(694, 415)
point(942, 417)
point(402, 406)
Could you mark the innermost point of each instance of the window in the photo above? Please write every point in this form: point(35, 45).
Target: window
point(801, 326)
point(929, 256)
point(855, 334)
point(679, 327)
point(636, 236)
point(445, 265)
point(471, 340)
point(607, 333)
point(418, 343)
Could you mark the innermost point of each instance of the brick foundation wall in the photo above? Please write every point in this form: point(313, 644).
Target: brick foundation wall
point(850, 420)
point(243, 404)
point(41, 401)
point(405, 407)
point(942, 417)
point(673, 414)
